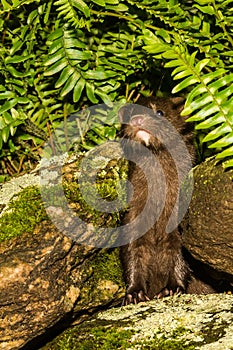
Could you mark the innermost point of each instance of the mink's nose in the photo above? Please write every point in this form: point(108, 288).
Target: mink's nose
point(136, 120)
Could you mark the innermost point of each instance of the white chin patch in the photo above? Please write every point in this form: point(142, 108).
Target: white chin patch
point(144, 136)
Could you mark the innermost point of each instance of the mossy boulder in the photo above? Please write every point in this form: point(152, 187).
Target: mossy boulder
point(207, 229)
point(174, 323)
point(46, 276)
point(50, 282)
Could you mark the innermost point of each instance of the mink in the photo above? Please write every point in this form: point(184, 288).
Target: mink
point(153, 262)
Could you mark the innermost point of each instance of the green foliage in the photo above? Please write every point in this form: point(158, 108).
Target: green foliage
point(59, 56)
point(93, 338)
point(90, 337)
point(21, 217)
point(199, 52)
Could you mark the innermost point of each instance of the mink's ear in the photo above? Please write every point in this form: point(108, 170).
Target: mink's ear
point(124, 113)
point(178, 103)
point(121, 113)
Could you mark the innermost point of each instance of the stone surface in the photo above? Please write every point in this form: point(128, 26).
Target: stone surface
point(207, 229)
point(38, 286)
point(186, 322)
point(46, 276)
point(49, 280)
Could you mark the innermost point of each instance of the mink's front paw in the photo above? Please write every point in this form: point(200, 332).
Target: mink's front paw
point(135, 297)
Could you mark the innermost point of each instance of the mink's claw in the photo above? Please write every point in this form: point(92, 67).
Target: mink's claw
point(135, 298)
point(165, 292)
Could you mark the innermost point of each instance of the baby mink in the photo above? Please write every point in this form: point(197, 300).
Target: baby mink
point(158, 144)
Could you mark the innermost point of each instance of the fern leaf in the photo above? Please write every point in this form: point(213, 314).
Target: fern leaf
point(81, 5)
point(56, 45)
point(70, 83)
point(78, 88)
point(58, 33)
point(55, 57)
point(64, 58)
point(66, 9)
point(65, 74)
point(210, 101)
point(99, 2)
point(185, 83)
point(217, 132)
point(90, 93)
point(8, 105)
point(226, 153)
point(15, 4)
point(213, 87)
point(200, 102)
point(56, 67)
point(212, 121)
point(223, 142)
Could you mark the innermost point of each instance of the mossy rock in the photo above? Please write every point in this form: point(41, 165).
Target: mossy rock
point(24, 212)
point(175, 323)
point(23, 200)
point(48, 274)
point(208, 225)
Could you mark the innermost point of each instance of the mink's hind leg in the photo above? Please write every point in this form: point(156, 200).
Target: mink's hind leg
point(141, 271)
point(134, 258)
point(153, 269)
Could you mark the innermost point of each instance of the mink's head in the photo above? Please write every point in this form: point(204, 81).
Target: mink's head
point(150, 122)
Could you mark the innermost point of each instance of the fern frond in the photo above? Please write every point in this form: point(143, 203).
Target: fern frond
point(65, 58)
point(6, 6)
point(209, 103)
point(213, 107)
point(100, 67)
point(67, 10)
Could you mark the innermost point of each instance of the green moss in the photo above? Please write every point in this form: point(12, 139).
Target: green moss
point(103, 279)
point(86, 212)
point(97, 338)
point(173, 342)
point(110, 337)
point(108, 183)
point(25, 211)
point(106, 265)
point(165, 344)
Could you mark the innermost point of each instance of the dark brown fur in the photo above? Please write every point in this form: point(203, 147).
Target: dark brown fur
point(153, 264)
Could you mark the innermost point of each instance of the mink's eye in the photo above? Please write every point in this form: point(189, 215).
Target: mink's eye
point(159, 113)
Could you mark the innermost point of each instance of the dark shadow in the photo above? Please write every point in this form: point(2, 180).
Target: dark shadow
point(66, 322)
point(220, 281)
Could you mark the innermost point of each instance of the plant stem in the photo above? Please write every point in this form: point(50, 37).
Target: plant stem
point(127, 18)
